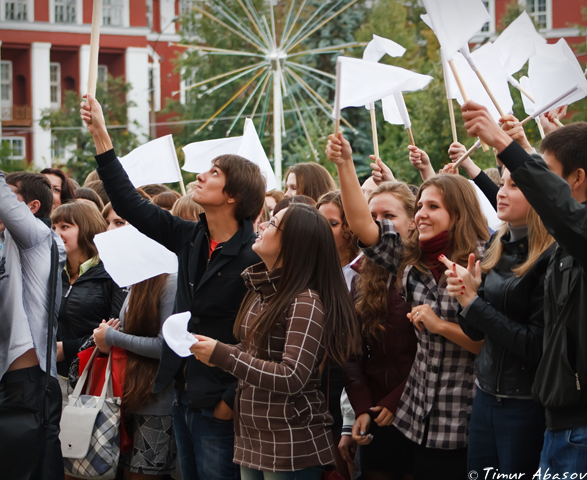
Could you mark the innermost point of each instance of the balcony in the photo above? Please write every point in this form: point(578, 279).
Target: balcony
point(17, 116)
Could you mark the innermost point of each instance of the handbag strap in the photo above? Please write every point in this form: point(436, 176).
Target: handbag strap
point(106, 389)
point(50, 327)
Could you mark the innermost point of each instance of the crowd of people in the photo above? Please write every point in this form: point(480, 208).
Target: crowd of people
point(379, 331)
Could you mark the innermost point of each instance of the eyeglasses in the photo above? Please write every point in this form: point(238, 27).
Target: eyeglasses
point(270, 223)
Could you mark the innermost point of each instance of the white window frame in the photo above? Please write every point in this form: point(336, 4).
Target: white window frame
point(12, 141)
point(102, 73)
point(183, 84)
point(155, 78)
point(79, 13)
point(6, 104)
point(548, 14)
point(30, 9)
point(55, 83)
point(491, 27)
point(124, 12)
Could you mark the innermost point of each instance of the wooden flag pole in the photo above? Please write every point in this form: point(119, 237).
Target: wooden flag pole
point(94, 47)
point(411, 137)
point(540, 128)
point(490, 93)
point(374, 131)
point(521, 89)
point(455, 72)
point(453, 124)
point(337, 99)
point(467, 154)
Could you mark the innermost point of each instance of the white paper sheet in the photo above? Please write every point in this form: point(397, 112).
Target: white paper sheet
point(380, 46)
point(527, 85)
point(153, 162)
point(450, 84)
point(176, 335)
point(395, 110)
point(487, 209)
point(455, 21)
point(199, 155)
point(364, 82)
point(517, 43)
point(130, 257)
point(553, 71)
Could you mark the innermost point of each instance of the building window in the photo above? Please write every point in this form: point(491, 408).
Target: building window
point(15, 10)
point(489, 27)
point(112, 13)
point(55, 82)
point(57, 150)
point(6, 89)
point(102, 74)
point(150, 14)
point(65, 11)
point(539, 10)
point(16, 146)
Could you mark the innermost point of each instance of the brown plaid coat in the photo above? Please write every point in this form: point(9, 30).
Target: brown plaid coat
point(282, 421)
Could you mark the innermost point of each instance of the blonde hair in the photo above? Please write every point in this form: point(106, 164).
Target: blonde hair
point(538, 241)
point(468, 224)
point(372, 283)
point(187, 209)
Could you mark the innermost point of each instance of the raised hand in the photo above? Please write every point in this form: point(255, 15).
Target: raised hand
point(479, 123)
point(512, 126)
point(338, 150)
point(420, 160)
point(381, 172)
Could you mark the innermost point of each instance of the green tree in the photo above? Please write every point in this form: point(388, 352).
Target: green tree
point(8, 164)
point(70, 135)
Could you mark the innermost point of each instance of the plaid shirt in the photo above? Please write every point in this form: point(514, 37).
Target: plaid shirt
point(440, 389)
point(282, 421)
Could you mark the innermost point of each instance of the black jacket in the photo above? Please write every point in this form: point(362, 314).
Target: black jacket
point(561, 378)
point(211, 290)
point(509, 315)
point(93, 297)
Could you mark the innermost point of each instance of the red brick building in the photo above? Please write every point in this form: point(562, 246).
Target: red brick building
point(44, 51)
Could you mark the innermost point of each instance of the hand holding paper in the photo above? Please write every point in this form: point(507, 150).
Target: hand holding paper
point(176, 335)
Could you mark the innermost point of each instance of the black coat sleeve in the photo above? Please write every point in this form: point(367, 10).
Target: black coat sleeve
point(550, 195)
point(170, 231)
point(488, 187)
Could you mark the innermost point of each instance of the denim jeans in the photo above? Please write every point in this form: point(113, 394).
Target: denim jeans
point(205, 445)
point(312, 473)
point(505, 434)
point(564, 451)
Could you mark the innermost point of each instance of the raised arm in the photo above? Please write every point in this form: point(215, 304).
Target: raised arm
point(550, 195)
point(356, 207)
point(149, 219)
point(420, 160)
point(17, 217)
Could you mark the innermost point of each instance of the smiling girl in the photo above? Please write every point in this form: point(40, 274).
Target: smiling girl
point(435, 406)
point(505, 308)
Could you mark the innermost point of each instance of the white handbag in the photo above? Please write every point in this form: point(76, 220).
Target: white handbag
point(90, 436)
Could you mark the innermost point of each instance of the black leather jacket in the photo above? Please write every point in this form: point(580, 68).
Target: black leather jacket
point(509, 315)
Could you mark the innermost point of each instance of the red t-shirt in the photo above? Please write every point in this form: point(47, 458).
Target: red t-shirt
point(213, 245)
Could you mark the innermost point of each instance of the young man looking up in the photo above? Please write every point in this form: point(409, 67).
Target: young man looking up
point(212, 254)
point(557, 189)
point(25, 266)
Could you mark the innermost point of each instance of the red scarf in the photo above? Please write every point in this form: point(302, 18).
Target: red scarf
point(432, 249)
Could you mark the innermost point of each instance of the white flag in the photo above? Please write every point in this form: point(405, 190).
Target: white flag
point(380, 46)
point(363, 82)
point(176, 335)
point(153, 162)
point(450, 83)
point(199, 155)
point(529, 106)
point(455, 21)
point(517, 43)
point(252, 150)
point(487, 62)
point(130, 257)
point(553, 71)
point(395, 110)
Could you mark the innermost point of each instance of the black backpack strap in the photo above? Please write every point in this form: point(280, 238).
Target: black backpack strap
point(53, 278)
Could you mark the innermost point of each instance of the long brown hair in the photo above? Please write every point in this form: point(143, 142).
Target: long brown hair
point(468, 224)
point(142, 319)
point(352, 241)
point(312, 179)
point(538, 241)
point(309, 260)
point(373, 282)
